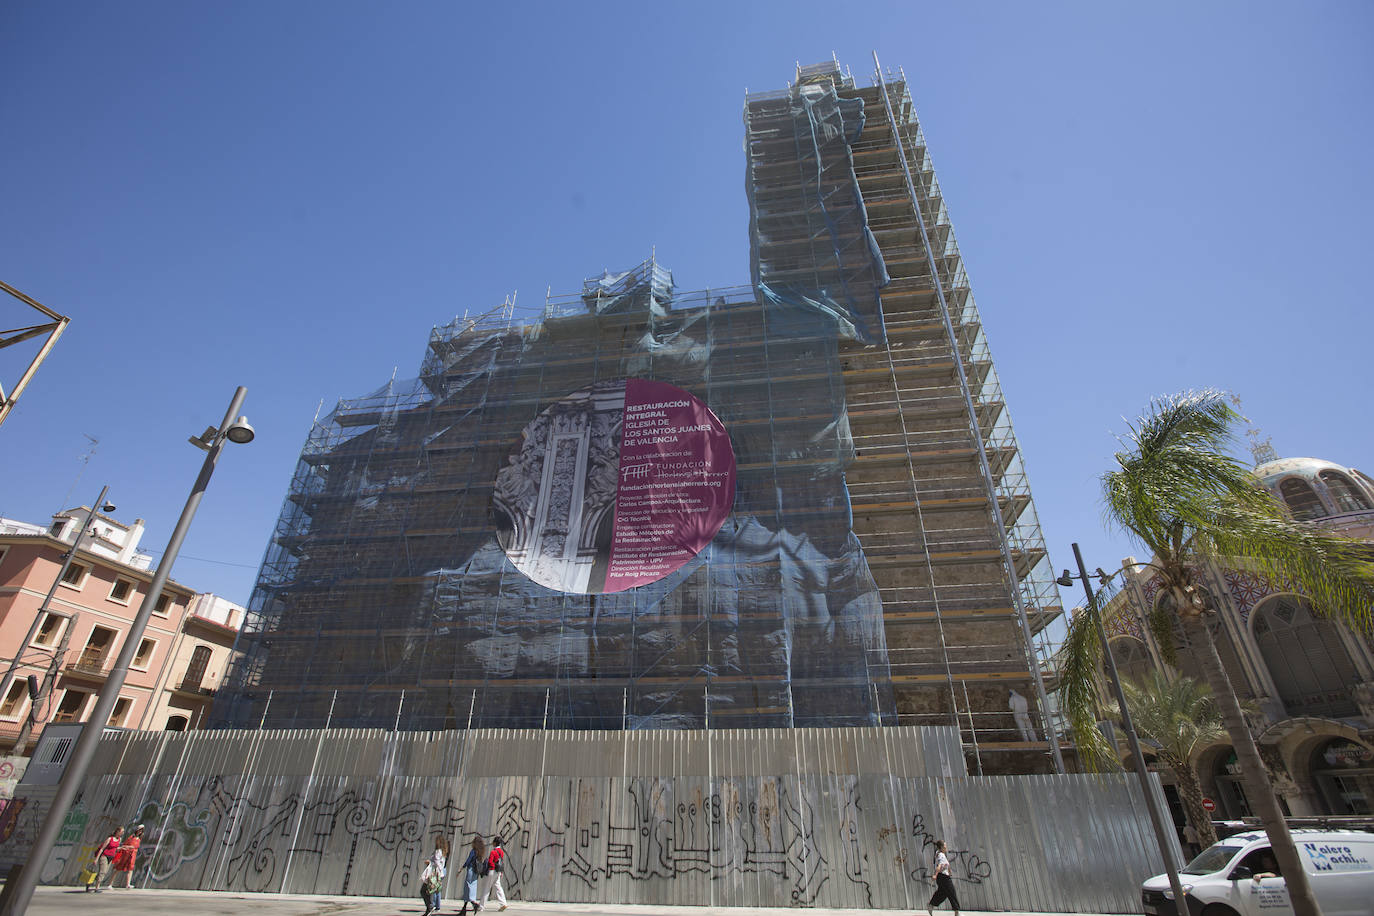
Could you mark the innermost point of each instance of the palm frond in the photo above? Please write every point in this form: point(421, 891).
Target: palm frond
point(1161, 623)
point(1080, 667)
point(1179, 492)
point(1334, 572)
point(1175, 469)
point(1177, 713)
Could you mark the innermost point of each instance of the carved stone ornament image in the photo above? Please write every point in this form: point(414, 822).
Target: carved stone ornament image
point(614, 486)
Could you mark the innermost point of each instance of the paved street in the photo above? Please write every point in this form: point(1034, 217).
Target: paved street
point(65, 900)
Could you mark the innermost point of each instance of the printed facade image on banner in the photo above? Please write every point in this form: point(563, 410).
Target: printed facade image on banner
point(614, 486)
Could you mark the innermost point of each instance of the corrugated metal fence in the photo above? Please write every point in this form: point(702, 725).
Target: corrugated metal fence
point(803, 817)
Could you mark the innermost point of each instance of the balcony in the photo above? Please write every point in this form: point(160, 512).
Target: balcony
point(90, 665)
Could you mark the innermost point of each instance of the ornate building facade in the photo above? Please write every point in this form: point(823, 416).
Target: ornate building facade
point(1309, 679)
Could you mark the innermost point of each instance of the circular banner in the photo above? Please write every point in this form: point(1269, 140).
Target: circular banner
point(614, 486)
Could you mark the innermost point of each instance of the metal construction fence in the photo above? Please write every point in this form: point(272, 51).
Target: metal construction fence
point(844, 817)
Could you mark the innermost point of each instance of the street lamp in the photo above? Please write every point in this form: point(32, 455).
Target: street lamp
point(212, 441)
point(42, 612)
point(1156, 816)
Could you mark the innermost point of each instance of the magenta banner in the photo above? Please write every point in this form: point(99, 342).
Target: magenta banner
point(677, 483)
point(614, 486)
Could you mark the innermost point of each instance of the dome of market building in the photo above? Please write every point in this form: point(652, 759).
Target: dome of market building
point(1313, 488)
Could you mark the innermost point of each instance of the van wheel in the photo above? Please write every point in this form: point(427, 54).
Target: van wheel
point(1218, 909)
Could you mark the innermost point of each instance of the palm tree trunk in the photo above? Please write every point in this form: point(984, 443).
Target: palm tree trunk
point(1256, 779)
point(1190, 793)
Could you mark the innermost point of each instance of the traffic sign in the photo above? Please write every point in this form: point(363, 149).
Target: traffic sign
point(1208, 805)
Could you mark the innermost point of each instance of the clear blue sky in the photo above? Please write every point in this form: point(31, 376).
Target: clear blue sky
point(287, 196)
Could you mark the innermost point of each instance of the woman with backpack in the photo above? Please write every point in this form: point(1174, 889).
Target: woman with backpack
point(496, 864)
point(472, 870)
point(432, 878)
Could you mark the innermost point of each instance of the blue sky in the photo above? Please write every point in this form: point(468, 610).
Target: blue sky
point(288, 196)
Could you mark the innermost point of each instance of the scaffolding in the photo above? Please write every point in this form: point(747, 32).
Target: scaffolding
point(883, 563)
point(941, 500)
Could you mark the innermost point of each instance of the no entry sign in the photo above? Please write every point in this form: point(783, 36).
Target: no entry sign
point(1208, 805)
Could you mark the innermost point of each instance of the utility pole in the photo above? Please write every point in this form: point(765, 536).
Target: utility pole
point(45, 686)
point(212, 442)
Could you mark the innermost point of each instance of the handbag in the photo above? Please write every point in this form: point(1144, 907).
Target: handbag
point(484, 868)
point(87, 875)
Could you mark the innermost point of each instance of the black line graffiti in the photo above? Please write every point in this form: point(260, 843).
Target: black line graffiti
point(573, 828)
point(714, 835)
point(854, 857)
point(966, 864)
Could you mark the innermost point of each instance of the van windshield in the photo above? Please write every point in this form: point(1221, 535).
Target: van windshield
point(1213, 858)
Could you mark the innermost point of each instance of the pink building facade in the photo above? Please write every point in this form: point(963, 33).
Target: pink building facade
point(171, 679)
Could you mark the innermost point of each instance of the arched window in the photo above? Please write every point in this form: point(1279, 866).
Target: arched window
point(1132, 658)
point(1347, 496)
point(176, 724)
point(1306, 658)
point(1301, 499)
point(1341, 769)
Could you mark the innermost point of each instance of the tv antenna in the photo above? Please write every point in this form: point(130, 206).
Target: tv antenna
point(91, 444)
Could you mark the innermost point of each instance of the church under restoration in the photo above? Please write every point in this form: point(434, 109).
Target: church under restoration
point(793, 503)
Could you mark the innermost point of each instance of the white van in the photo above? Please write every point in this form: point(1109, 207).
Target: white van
point(1240, 876)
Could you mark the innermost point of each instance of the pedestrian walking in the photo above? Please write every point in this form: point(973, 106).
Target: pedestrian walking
point(126, 855)
point(473, 869)
point(432, 877)
point(944, 882)
point(103, 863)
point(496, 865)
point(1190, 841)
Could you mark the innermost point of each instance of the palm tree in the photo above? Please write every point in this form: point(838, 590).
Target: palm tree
point(1180, 494)
point(1177, 715)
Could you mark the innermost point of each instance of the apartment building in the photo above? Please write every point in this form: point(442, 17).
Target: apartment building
point(84, 616)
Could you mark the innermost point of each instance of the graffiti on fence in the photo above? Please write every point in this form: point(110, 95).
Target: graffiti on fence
point(966, 864)
point(10, 809)
point(173, 836)
point(731, 831)
point(254, 837)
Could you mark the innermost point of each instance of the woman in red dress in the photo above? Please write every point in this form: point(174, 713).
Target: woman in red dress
point(128, 851)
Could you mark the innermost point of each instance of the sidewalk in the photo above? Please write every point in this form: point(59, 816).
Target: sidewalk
point(68, 900)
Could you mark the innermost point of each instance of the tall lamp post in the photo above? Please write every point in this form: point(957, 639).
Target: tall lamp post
point(1156, 816)
point(42, 611)
point(212, 441)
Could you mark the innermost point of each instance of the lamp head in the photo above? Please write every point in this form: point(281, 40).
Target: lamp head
point(1065, 580)
point(108, 507)
point(240, 432)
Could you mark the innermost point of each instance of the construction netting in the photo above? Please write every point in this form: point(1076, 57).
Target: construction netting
point(386, 576)
point(878, 559)
point(811, 246)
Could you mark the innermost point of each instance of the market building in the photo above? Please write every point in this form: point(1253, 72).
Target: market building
point(1309, 678)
